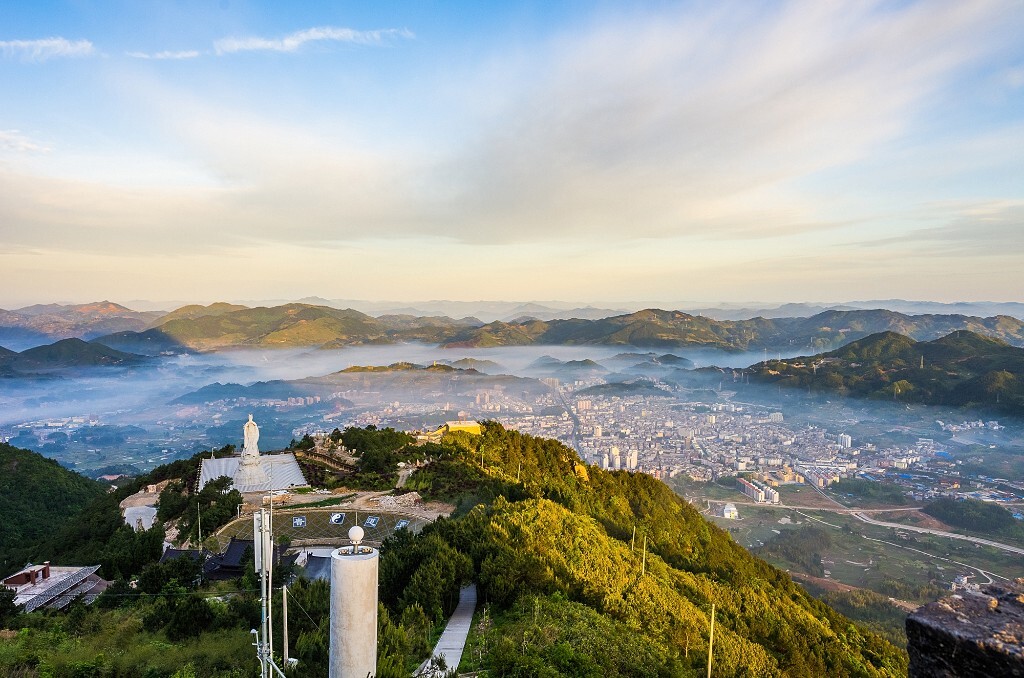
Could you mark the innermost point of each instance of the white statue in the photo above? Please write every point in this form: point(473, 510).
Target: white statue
point(251, 433)
point(250, 471)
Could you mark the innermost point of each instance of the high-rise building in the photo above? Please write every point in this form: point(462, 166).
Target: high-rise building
point(632, 459)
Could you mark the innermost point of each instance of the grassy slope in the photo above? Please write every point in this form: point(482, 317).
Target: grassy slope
point(563, 535)
point(552, 556)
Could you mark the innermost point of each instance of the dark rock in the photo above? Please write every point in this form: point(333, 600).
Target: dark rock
point(977, 634)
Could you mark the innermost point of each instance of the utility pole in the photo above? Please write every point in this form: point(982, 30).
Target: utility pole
point(199, 519)
point(284, 613)
point(711, 643)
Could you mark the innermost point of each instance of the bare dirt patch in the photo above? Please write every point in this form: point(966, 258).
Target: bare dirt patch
point(915, 518)
point(147, 496)
point(822, 583)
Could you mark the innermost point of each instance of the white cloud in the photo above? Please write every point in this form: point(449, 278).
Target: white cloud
point(704, 123)
point(711, 137)
point(14, 140)
point(46, 48)
point(1014, 77)
point(294, 41)
point(186, 54)
point(982, 228)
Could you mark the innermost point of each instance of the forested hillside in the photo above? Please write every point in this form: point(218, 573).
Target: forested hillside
point(37, 497)
point(561, 540)
point(961, 368)
point(583, 573)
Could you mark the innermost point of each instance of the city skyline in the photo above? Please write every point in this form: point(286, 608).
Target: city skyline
point(725, 152)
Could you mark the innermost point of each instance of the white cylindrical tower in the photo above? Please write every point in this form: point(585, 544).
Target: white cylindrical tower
point(353, 642)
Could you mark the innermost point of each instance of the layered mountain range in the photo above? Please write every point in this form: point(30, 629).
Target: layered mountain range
point(43, 323)
point(225, 326)
point(292, 325)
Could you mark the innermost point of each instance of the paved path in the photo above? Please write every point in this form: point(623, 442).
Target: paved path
point(453, 639)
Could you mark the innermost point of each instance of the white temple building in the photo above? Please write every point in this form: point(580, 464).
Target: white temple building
point(252, 472)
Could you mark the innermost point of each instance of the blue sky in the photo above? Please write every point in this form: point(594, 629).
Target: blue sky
point(715, 151)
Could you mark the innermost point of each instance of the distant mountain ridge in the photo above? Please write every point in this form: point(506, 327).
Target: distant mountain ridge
point(223, 325)
point(509, 311)
point(663, 329)
point(64, 354)
point(42, 323)
point(293, 325)
point(961, 368)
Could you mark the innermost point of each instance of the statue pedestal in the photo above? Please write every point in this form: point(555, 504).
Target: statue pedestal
point(250, 472)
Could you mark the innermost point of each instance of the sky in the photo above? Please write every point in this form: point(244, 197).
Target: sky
point(719, 151)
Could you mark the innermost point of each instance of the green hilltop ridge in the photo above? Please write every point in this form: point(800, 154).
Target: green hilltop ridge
point(75, 353)
point(549, 542)
point(484, 366)
point(405, 367)
point(193, 311)
point(64, 354)
point(282, 326)
point(960, 369)
point(220, 326)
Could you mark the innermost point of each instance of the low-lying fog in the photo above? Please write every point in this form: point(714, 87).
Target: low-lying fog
point(114, 390)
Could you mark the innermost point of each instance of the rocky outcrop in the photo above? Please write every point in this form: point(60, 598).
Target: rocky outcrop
point(976, 634)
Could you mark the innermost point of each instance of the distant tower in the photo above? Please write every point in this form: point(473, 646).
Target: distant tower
point(250, 471)
point(353, 639)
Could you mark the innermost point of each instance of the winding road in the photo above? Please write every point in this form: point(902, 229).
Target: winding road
point(859, 515)
point(862, 515)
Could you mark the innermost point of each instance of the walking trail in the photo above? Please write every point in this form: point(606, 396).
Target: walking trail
point(453, 639)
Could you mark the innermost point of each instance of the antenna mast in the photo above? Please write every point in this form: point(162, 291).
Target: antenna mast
point(264, 546)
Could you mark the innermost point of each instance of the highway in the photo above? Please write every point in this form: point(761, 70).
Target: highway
point(859, 515)
point(575, 442)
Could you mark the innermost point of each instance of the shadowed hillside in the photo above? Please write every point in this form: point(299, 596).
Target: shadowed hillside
point(961, 368)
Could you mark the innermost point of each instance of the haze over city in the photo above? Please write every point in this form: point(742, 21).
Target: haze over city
point(715, 151)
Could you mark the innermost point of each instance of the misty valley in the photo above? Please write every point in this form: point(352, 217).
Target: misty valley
point(843, 490)
point(127, 419)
